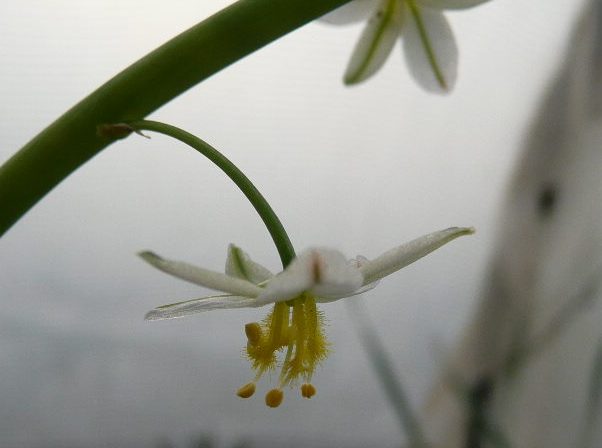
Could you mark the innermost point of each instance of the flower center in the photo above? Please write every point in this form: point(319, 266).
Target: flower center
point(295, 329)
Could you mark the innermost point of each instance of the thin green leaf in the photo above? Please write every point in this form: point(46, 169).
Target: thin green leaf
point(388, 377)
point(193, 56)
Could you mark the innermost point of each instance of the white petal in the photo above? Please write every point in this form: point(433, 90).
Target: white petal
point(375, 43)
point(357, 262)
point(430, 50)
point(203, 277)
point(337, 277)
point(195, 306)
point(352, 12)
point(322, 272)
point(360, 261)
point(399, 257)
point(240, 265)
point(334, 298)
point(451, 4)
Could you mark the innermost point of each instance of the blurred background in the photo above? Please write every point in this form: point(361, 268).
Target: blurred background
point(360, 169)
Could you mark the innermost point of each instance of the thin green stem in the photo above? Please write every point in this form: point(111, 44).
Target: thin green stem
point(267, 214)
point(426, 43)
point(385, 371)
point(173, 68)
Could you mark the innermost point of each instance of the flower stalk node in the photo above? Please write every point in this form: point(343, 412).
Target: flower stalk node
point(116, 131)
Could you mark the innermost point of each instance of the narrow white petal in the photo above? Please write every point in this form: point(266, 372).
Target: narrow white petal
point(240, 265)
point(430, 50)
point(352, 12)
point(200, 276)
point(399, 257)
point(284, 286)
point(291, 282)
point(334, 298)
point(376, 42)
point(322, 272)
point(195, 306)
point(451, 4)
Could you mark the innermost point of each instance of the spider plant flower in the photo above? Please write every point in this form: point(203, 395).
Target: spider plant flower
point(291, 337)
point(428, 42)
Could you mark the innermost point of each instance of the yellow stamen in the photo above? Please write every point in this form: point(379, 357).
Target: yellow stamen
point(272, 336)
point(253, 332)
point(294, 325)
point(274, 398)
point(279, 325)
point(246, 391)
point(308, 390)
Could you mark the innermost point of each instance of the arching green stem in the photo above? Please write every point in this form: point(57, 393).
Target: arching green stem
point(263, 208)
point(179, 64)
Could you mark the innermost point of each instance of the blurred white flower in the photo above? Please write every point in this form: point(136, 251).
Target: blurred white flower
point(429, 46)
point(316, 275)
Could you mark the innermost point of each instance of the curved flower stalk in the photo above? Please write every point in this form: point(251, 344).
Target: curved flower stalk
point(429, 46)
point(294, 326)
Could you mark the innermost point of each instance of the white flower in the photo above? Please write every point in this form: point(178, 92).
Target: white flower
point(429, 46)
point(316, 275)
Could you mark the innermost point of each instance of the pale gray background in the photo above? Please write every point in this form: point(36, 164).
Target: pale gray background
point(360, 169)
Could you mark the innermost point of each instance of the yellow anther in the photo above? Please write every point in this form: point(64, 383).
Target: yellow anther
point(253, 332)
point(274, 398)
point(308, 390)
point(246, 391)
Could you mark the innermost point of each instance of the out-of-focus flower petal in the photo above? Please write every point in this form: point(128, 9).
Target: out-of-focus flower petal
point(430, 50)
point(352, 12)
point(376, 42)
point(451, 4)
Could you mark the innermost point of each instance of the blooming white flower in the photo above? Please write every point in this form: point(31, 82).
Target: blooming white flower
point(316, 275)
point(429, 46)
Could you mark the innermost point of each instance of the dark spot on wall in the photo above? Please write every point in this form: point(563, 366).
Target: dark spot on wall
point(547, 200)
point(479, 397)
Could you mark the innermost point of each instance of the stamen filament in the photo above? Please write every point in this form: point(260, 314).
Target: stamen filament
point(287, 359)
point(296, 327)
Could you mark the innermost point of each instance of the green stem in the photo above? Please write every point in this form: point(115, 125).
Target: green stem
point(390, 381)
point(267, 214)
point(173, 68)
